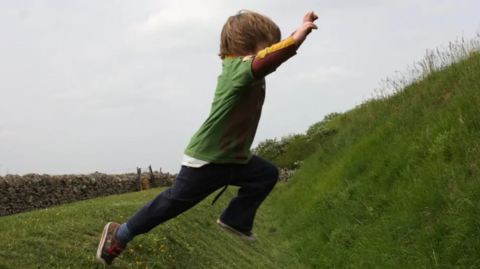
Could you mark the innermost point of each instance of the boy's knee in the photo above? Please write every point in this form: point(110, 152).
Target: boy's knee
point(273, 173)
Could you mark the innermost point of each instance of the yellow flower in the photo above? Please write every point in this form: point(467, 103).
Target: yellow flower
point(58, 214)
point(138, 263)
point(170, 256)
point(121, 217)
point(471, 51)
point(139, 246)
point(164, 238)
point(163, 251)
point(132, 251)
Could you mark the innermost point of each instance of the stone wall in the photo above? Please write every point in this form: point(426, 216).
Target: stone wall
point(33, 191)
point(285, 175)
point(30, 192)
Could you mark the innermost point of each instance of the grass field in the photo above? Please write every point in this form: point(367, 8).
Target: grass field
point(396, 186)
point(67, 237)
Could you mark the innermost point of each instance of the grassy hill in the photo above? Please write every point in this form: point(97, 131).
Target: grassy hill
point(393, 183)
point(398, 184)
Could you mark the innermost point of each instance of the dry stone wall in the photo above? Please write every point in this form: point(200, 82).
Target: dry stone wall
point(33, 191)
point(30, 192)
point(285, 175)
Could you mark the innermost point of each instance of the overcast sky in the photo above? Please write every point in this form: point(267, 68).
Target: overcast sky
point(91, 86)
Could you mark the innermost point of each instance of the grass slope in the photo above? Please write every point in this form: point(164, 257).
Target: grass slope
point(67, 237)
point(398, 186)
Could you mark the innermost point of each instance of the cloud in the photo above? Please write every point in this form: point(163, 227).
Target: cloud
point(178, 27)
point(327, 75)
point(7, 134)
point(176, 15)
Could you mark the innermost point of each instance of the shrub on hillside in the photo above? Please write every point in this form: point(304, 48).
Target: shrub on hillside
point(291, 150)
point(321, 127)
point(270, 149)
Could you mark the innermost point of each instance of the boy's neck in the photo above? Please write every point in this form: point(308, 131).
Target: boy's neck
point(238, 56)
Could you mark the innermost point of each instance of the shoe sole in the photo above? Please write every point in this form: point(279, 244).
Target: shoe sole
point(102, 241)
point(239, 234)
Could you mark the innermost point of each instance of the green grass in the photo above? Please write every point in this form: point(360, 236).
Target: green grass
point(398, 186)
point(67, 237)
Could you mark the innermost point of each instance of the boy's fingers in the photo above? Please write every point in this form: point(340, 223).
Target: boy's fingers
point(311, 25)
point(307, 17)
point(310, 17)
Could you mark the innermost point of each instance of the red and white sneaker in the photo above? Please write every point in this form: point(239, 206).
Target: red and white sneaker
point(109, 247)
point(248, 236)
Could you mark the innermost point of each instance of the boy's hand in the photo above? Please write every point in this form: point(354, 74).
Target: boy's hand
point(301, 34)
point(310, 17)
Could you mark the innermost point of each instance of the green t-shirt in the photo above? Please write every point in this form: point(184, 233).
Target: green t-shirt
point(228, 133)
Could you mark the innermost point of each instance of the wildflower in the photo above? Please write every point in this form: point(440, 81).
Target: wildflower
point(58, 214)
point(170, 256)
point(132, 251)
point(121, 217)
point(162, 250)
point(138, 263)
point(471, 51)
point(164, 238)
point(139, 246)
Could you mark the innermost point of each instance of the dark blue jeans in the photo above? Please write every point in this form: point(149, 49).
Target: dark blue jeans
point(255, 179)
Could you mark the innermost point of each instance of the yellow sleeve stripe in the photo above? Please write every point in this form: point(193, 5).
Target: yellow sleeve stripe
point(281, 45)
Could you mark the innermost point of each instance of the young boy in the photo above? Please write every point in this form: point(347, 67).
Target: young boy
point(219, 153)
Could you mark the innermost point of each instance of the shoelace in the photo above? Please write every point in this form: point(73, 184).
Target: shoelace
point(115, 250)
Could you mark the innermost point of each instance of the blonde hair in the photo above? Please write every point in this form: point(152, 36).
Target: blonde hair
point(243, 32)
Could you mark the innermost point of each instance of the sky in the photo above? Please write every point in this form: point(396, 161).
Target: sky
point(109, 85)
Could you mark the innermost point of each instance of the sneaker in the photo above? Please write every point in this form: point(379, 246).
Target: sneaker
point(109, 247)
point(248, 236)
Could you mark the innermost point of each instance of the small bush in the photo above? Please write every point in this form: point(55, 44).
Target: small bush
point(291, 150)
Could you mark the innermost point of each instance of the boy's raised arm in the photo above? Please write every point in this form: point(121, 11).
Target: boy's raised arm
point(270, 58)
